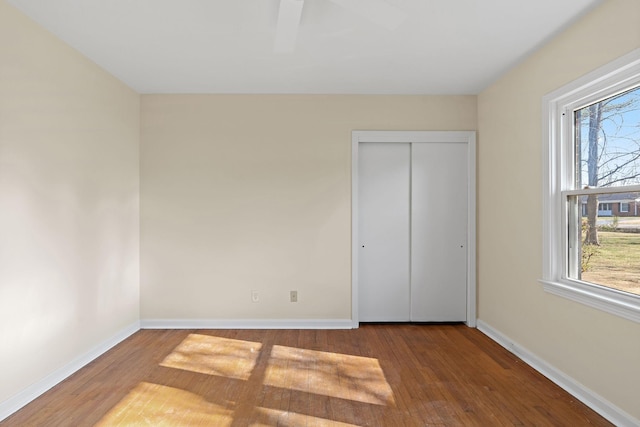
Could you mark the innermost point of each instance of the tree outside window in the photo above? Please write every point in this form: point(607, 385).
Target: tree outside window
point(591, 144)
point(607, 157)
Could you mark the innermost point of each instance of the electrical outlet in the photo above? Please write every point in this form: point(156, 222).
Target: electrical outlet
point(255, 296)
point(293, 296)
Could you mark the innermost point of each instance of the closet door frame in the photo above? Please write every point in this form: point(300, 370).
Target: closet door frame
point(467, 137)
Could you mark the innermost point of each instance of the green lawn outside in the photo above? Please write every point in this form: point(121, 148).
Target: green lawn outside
point(616, 263)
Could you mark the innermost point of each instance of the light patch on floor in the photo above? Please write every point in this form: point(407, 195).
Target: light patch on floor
point(210, 355)
point(156, 405)
point(272, 417)
point(335, 375)
point(329, 374)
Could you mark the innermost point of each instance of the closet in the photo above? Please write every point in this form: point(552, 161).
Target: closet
point(413, 226)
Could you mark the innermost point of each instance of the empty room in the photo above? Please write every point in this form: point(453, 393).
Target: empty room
point(319, 213)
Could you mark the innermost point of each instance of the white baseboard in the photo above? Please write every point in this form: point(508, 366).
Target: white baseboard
point(246, 324)
point(14, 403)
point(596, 402)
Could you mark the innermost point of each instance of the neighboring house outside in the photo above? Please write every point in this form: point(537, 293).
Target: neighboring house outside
point(621, 205)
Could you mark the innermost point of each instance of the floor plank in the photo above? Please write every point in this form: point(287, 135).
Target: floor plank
point(377, 375)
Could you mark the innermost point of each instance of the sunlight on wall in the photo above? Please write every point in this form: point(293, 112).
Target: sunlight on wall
point(157, 405)
point(215, 356)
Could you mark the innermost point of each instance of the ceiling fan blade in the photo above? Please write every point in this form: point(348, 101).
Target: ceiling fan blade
point(377, 11)
point(288, 23)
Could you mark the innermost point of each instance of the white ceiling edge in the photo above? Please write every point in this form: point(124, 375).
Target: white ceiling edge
point(550, 37)
point(183, 46)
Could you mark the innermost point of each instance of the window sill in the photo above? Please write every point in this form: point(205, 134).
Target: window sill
point(608, 300)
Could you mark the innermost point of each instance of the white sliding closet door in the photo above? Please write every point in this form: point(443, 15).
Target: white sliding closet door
point(413, 231)
point(439, 232)
point(384, 230)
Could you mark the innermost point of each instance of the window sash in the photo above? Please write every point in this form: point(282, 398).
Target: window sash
point(602, 190)
point(558, 182)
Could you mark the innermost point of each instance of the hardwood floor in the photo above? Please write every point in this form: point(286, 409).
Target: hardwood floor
point(378, 375)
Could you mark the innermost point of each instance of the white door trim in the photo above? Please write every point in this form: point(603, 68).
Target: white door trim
point(468, 137)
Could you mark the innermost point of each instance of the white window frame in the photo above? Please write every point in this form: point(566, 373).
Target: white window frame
point(557, 120)
point(622, 210)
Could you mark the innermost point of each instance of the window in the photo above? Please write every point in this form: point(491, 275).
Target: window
point(592, 150)
point(603, 209)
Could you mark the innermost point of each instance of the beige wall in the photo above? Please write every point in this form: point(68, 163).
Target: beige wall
point(244, 193)
point(599, 350)
point(69, 214)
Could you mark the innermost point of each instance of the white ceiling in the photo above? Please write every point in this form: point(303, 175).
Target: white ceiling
point(227, 46)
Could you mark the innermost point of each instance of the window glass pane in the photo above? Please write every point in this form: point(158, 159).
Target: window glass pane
point(605, 247)
point(607, 137)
